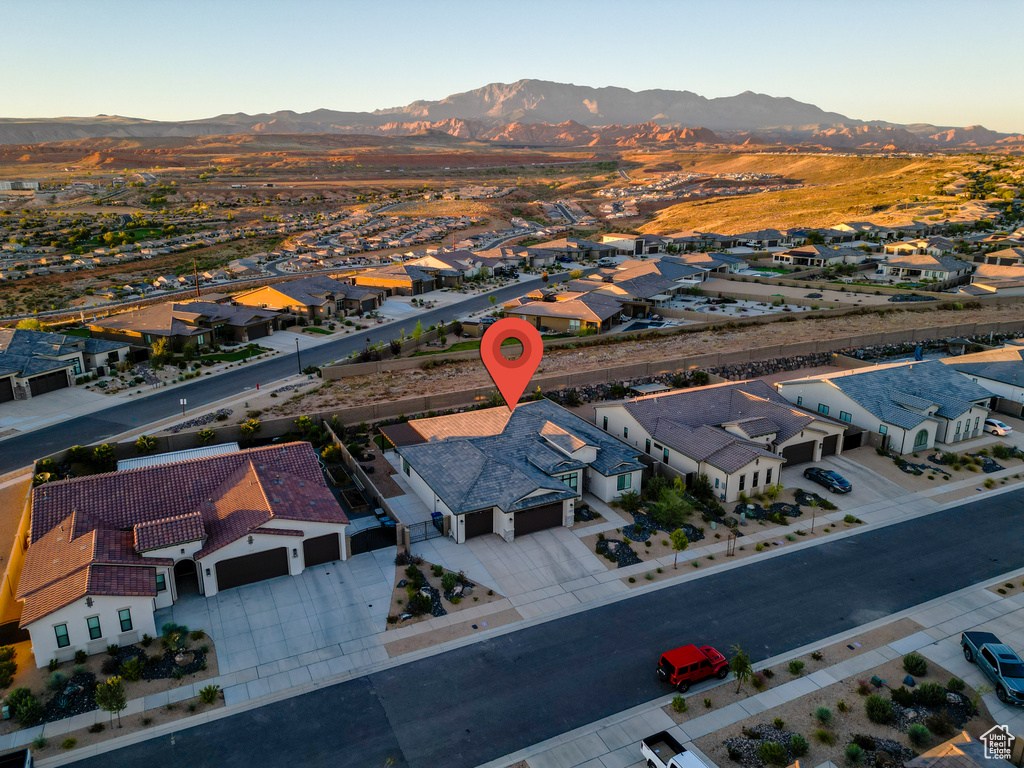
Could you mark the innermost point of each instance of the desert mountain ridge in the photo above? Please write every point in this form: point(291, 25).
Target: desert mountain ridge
point(544, 113)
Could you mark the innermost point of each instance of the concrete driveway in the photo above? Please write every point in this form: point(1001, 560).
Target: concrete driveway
point(294, 629)
point(868, 486)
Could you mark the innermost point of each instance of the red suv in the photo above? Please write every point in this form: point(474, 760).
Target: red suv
point(689, 664)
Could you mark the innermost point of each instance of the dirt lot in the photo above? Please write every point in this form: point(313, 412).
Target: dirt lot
point(359, 390)
point(400, 598)
point(451, 632)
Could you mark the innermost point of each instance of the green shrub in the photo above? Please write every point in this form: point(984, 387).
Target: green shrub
point(823, 715)
point(95, 728)
point(146, 641)
point(915, 664)
point(52, 665)
point(679, 703)
point(707, 704)
point(40, 742)
point(956, 684)
point(69, 742)
point(864, 741)
point(24, 707)
point(779, 724)
point(438, 570)
point(56, 681)
point(930, 695)
point(903, 697)
point(796, 667)
point(842, 706)
point(131, 670)
point(941, 724)
point(449, 581)
point(196, 635)
point(854, 754)
point(878, 708)
point(208, 695)
point(824, 736)
point(81, 656)
point(773, 753)
point(798, 745)
point(918, 734)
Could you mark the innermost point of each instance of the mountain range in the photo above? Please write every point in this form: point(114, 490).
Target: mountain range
point(543, 113)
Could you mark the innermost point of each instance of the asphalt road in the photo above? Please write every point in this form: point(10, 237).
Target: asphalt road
point(17, 452)
point(475, 704)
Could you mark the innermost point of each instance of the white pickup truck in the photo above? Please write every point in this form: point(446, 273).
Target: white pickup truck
point(663, 751)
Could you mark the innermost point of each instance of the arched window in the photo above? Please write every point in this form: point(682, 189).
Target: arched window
point(922, 439)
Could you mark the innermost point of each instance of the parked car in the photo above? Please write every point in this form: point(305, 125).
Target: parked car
point(996, 427)
point(831, 480)
point(998, 662)
point(662, 751)
point(689, 664)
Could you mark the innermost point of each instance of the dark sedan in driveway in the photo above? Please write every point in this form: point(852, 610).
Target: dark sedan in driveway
point(831, 480)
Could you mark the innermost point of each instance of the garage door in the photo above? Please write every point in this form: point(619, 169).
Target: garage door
point(48, 382)
point(799, 453)
point(539, 518)
point(322, 549)
point(6, 391)
point(479, 523)
point(257, 331)
point(249, 568)
point(829, 444)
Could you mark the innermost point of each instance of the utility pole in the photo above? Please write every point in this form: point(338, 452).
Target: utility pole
point(195, 274)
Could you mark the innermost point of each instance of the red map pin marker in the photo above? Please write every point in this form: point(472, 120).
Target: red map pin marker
point(511, 376)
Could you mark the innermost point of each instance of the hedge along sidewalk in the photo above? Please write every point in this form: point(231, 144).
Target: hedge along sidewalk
point(620, 733)
point(24, 737)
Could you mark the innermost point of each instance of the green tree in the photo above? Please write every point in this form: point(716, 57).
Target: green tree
point(417, 331)
point(31, 324)
point(189, 352)
point(679, 543)
point(110, 697)
point(160, 350)
point(304, 424)
point(630, 501)
point(103, 457)
point(249, 428)
point(205, 436)
point(740, 666)
point(670, 510)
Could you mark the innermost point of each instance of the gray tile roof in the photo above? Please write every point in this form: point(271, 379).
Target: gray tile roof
point(891, 392)
point(23, 365)
point(690, 421)
point(18, 341)
point(1009, 371)
point(313, 291)
point(492, 459)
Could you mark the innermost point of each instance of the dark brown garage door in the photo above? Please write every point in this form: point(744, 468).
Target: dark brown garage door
point(6, 390)
point(799, 453)
point(539, 518)
point(48, 382)
point(479, 523)
point(249, 568)
point(322, 549)
point(257, 331)
point(829, 444)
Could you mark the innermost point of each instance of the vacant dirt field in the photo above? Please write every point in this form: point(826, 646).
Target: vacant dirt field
point(360, 390)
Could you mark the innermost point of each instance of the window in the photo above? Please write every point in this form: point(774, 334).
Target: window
point(625, 431)
point(664, 455)
point(77, 368)
point(976, 419)
point(922, 439)
point(604, 424)
point(743, 481)
point(569, 480)
point(624, 482)
point(61, 630)
point(647, 447)
point(574, 325)
point(882, 429)
point(753, 483)
point(716, 482)
point(93, 622)
point(799, 400)
point(844, 416)
point(125, 617)
point(405, 466)
point(823, 409)
point(768, 476)
point(161, 582)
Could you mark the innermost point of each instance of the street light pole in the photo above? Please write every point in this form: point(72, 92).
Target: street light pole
point(183, 402)
point(298, 357)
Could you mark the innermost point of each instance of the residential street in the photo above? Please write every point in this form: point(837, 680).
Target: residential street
point(21, 450)
point(488, 699)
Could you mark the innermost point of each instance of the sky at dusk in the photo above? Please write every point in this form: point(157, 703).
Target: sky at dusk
point(904, 61)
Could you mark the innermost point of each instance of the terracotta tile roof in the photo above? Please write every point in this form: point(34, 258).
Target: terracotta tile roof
point(87, 533)
point(154, 534)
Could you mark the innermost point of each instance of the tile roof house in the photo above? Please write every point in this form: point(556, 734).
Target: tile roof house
point(818, 256)
point(314, 296)
point(202, 323)
point(588, 311)
point(105, 551)
point(34, 362)
point(925, 267)
point(916, 406)
point(398, 279)
point(492, 471)
point(739, 435)
point(1000, 371)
